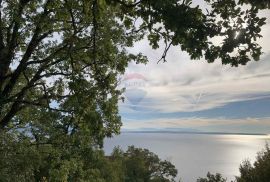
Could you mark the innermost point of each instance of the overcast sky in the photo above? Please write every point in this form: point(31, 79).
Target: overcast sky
point(195, 95)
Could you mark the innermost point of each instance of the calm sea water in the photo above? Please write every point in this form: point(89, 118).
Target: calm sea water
point(196, 154)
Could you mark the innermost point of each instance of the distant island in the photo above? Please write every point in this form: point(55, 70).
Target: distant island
point(191, 132)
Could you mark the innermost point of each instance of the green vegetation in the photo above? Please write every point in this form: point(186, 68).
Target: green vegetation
point(70, 53)
point(212, 178)
point(59, 64)
point(21, 160)
point(142, 165)
point(258, 172)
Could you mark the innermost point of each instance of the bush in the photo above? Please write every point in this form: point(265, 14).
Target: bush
point(259, 171)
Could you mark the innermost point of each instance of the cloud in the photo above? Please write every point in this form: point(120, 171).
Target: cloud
point(260, 125)
point(202, 87)
point(184, 85)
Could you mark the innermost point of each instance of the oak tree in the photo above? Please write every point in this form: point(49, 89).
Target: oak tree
point(64, 56)
point(59, 66)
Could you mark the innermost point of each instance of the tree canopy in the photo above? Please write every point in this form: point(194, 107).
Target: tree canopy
point(59, 66)
point(64, 57)
point(23, 161)
point(257, 172)
point(142, 165)
point(212, 178)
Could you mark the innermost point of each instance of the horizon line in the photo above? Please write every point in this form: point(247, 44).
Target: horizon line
point(193, 132)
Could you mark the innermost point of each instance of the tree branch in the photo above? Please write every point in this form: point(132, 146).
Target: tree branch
point(1, 29)
point(15, 31)
point(166, 49)
point(72, 18)
point(38, 104)
point(94, 12)
point(16, 106)
point(35, 40)
point(6, 53)
point(127, 5)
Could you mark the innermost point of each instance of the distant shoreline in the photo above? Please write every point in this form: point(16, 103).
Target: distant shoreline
point(201, 133)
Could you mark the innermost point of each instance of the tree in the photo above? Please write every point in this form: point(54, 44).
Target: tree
point(142, 165)
point(62, 53)
point(212, 178)
point(65, 56)
point(260, 4)
point(259, 171)
point(59, 64)
point(21, 160)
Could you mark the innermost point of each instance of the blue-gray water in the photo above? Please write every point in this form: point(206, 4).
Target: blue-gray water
point(195, 154)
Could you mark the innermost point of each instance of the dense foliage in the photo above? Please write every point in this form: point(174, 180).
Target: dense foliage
point(21, 160)
point(59, 66)
point(258, 172)
point(64, 57)
point(212, 178)
point(138, 164)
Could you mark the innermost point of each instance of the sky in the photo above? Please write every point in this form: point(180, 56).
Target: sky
point(187, 95)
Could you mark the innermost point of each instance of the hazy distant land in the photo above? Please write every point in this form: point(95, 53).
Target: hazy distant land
point(189, 132)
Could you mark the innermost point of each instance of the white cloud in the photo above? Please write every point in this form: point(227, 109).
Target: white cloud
point(198, 123)
point(184, 85)
point(203, 86)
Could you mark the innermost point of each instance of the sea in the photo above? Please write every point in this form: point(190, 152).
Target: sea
point(195, 154)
